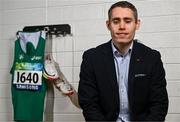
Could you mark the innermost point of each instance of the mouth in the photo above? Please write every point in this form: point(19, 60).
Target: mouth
point(121, 35)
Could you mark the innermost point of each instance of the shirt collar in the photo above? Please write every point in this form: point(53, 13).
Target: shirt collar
point(117, 53)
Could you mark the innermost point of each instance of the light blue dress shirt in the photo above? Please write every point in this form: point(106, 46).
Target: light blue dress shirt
point(122, 70)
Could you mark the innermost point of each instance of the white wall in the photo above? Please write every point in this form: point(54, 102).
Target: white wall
point(160, 29)
point(0, 16)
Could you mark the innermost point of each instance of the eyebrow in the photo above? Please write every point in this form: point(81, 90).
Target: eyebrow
point(125, 18)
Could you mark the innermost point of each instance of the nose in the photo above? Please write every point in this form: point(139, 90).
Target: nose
point(121, 26)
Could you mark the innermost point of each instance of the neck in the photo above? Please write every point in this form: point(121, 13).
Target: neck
point(122, 47)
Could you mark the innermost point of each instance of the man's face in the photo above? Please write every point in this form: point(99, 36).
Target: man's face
point(122, 25)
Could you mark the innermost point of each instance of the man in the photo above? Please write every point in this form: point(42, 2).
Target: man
point(122, 80)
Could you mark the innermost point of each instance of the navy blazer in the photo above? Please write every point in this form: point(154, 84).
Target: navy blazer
point(98, 89)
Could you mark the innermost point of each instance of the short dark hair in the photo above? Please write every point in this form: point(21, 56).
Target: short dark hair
point(124, 4)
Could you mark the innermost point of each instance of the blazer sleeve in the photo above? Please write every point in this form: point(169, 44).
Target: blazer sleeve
point(158, 103)
point(87, 91)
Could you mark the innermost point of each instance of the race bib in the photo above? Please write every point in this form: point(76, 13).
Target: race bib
point(28, 78)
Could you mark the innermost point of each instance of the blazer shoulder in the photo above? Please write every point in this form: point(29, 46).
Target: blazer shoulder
point(103, 48)
point(147, 50)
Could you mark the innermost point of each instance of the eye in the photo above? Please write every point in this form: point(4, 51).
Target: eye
point(115, 21)
point(128, 21)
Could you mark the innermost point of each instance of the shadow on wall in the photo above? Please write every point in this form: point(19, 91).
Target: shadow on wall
point(49, 103)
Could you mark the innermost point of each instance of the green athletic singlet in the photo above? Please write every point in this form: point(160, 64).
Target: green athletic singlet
point(28, 86)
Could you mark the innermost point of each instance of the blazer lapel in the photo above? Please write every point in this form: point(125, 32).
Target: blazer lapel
point(110, 67)
point(135, 59)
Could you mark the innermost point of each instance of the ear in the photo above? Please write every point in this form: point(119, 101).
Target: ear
point(138, 24)
point(108, 24)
